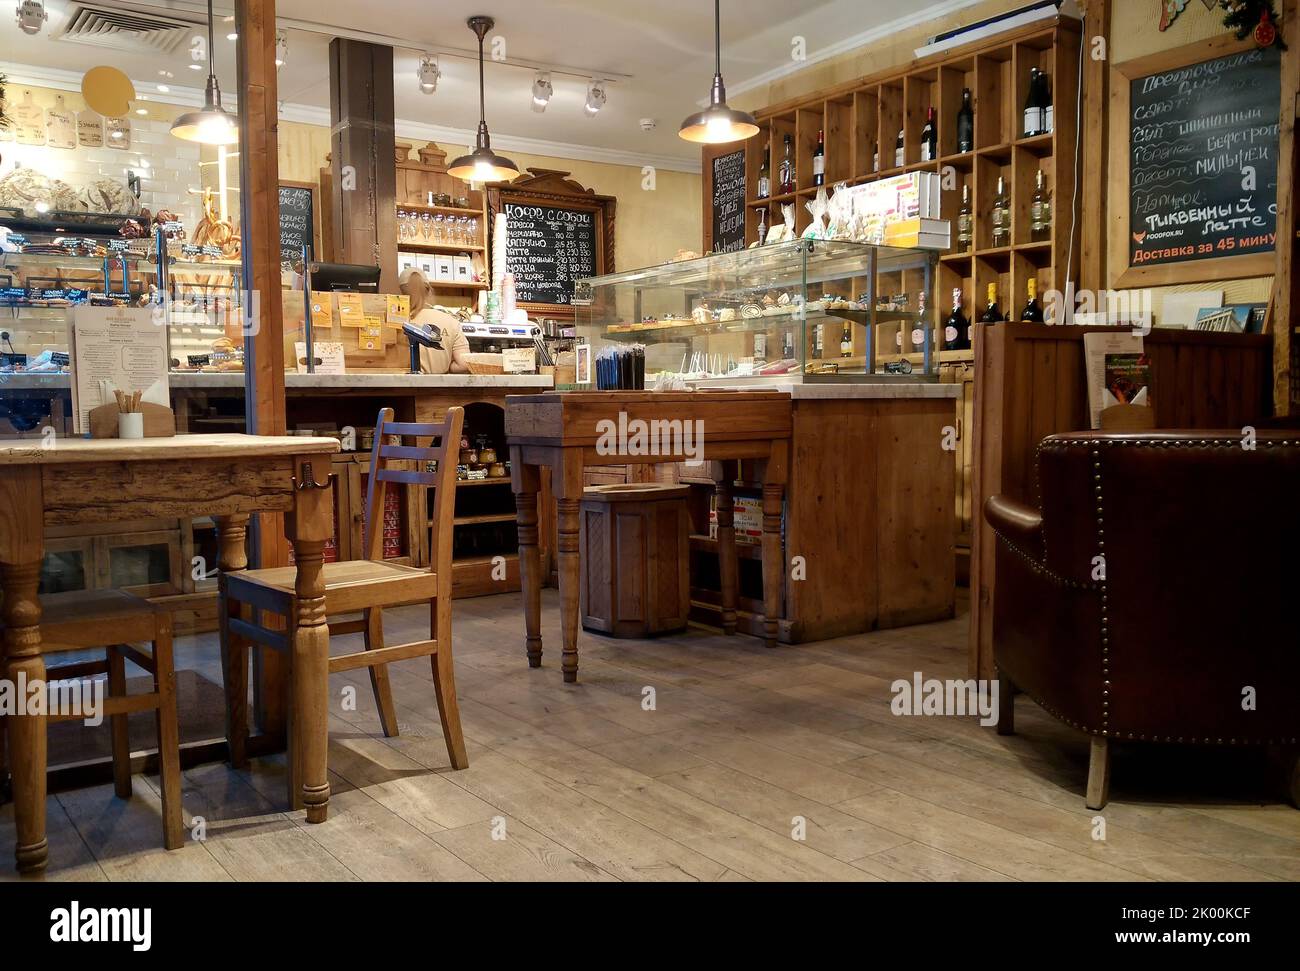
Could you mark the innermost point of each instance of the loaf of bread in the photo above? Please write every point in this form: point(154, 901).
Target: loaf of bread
point(109, 196)
point(26, 189)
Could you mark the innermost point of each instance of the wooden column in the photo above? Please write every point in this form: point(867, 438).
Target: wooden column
point(1095, 119)
point(363, 157)
point(259, 177)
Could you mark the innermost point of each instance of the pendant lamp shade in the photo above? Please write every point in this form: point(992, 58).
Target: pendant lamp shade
point(718, 124)
point(211, 124)
point(482, 164)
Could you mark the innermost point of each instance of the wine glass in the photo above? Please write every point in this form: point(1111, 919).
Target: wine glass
point(426, 225)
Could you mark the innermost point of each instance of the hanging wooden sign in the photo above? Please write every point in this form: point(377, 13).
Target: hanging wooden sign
point(90, 129)
point(60, 126)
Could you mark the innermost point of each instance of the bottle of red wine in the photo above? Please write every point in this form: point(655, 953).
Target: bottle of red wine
point(992, 315)
point(929, 138)
point(819, 159)
point(965, 123)
point(1034, 106)
point(1032, 313)
point(956, 329)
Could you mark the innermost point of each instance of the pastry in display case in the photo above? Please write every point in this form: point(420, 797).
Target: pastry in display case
point(804, 309)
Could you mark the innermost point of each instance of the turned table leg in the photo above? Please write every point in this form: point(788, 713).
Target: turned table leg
point(308, 526)
point(21, 551)
point(728, 572)
point(232, 531)
point(774, 477)
point(525, 484)
point(567, 482)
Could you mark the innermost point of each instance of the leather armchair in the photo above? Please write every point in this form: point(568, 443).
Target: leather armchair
point(1154, 594)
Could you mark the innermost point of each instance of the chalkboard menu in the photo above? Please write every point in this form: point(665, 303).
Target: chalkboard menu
point(1203, 151)
point(548, 249)
point(729, 202)
point(296, 221)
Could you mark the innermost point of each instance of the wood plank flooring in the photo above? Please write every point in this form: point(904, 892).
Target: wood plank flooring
point(749, 765)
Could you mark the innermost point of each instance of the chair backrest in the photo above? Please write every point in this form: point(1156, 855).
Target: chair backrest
point(407, 465)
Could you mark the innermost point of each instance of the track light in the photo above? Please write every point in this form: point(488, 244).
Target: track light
point(428, 74)
point(595, 97)
point(542, 91)
point(31, 16)
point(281, 48)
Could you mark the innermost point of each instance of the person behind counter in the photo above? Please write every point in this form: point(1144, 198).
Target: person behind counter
point(454, 356)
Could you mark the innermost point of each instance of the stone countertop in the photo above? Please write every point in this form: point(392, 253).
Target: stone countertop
point(847, 389)
point(199, 380)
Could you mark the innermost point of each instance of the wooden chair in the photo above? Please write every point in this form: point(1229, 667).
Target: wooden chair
point(361, 586)
point(83, 620)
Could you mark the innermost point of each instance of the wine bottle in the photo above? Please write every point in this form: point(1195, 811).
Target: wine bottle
point(1034, 106)
point(965, 221)
point(846, 341)
point(760, 348)
point(765, 176)
point(1045, 99)
point(819, 159)
point(965, 123)
point(898, 151)
point(787, 346)
point(1040, 210)
point(875, 159)
point(992, 315)
point(956, 329)
point(1001, 215)
point(929, 137)
point(1032, 313)
point(786, 172)
point(817, 342)
point(919, 328)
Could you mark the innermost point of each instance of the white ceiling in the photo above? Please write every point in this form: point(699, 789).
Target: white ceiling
point(660, 54)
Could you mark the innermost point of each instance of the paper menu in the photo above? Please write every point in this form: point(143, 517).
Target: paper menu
point(116, 348)
point(329, 357)
point(1097, 347)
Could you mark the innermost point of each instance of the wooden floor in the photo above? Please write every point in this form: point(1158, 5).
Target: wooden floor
point(581, 782)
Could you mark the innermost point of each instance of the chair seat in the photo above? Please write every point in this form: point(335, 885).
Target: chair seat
point(95, 618)
point(349, 585)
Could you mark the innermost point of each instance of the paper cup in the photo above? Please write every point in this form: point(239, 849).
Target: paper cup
point(130, 424)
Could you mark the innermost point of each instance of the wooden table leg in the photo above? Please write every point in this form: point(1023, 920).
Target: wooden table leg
point(566, 479)
point(232, 531)
point(524, 481)
point(22, 519)
point(724, 474)
point(774, 479)
point(308, 526)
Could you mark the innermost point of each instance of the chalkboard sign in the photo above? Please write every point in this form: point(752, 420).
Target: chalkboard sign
point(548, 249)
point(729, 202)
point(297, 219)
point(1203, 159)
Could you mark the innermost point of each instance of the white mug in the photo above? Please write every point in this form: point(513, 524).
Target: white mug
point(130, 424)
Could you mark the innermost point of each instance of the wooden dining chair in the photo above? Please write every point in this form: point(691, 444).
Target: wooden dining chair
point(85, 621)
point(362, 587)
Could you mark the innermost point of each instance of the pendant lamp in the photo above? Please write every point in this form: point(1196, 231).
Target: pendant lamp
point(483, 164)
point(717, 124)
point(212, 124)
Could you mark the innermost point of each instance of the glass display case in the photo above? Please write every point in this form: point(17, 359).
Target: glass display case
point(807, 309)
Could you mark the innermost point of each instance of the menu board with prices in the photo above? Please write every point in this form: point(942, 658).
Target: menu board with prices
point(729, 202)
point(1203, 159)
point(297, 203)
point(548, 249)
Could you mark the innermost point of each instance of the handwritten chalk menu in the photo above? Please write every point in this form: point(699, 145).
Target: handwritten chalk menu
point(548, 249)
point(729, 202)
point(1203, 159)
point(296, 220)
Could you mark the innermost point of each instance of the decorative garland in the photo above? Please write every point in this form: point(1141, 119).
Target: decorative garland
point(1257, 16)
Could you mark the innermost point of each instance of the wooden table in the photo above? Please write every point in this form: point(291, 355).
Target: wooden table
point(566, 432)
point(105, 480)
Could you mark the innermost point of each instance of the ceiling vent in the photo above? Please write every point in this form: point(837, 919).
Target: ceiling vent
point(129, 31)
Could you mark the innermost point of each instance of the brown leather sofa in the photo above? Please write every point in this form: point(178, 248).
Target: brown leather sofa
point(1156, 583)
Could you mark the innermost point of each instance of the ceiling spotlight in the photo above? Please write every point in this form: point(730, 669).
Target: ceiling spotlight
point(232, 36)
point(542, 91)
point(31, 16)
point(163, 88)
point(281, 48)
point(595, 97)
point(428, 73)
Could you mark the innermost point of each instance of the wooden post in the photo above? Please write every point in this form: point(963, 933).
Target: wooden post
point(1095, 121)
point(259, 176)
point(363, 157)
point(1286, 286)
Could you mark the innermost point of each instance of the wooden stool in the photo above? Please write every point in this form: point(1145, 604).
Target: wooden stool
point(635, 559)
point(84, 620)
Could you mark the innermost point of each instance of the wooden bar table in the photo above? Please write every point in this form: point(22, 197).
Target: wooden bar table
point(70, 481)
point(569, 431)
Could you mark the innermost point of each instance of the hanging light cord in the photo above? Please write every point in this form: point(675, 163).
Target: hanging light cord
point(212, 54)
point(482, 105)
point(717, 36)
